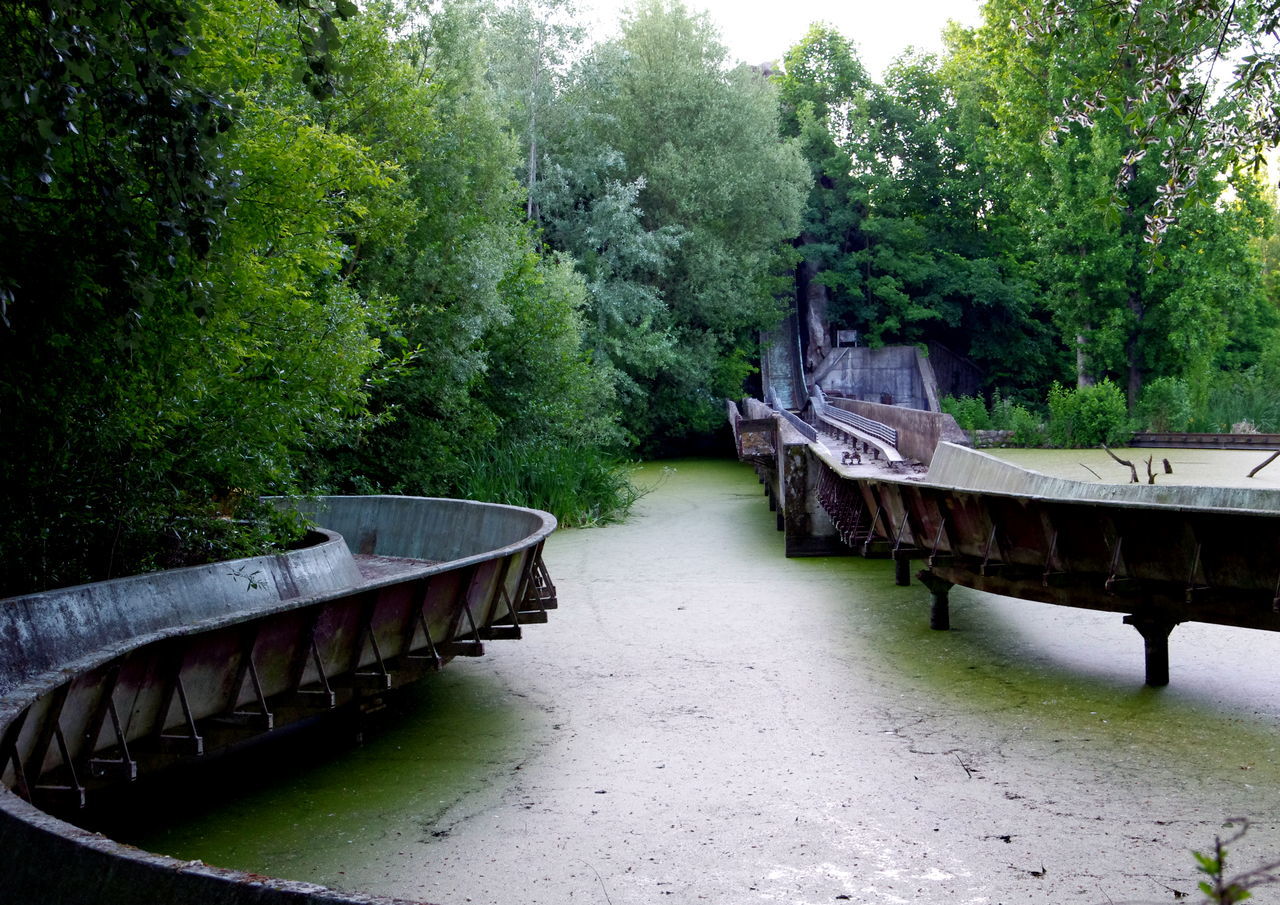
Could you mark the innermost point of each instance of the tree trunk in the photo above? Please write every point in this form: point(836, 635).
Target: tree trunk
point(1132, 354)
point(1083, 377)
point(531, 208)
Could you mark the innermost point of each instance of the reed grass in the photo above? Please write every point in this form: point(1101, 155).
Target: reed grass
point(1239, 397)
point(580, 485)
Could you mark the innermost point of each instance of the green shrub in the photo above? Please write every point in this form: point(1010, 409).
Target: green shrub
point(1237, 396)
point(1088, 416)
point(1027, 428)
point(1008, 415)
point(1165, 405)
point(970, 412)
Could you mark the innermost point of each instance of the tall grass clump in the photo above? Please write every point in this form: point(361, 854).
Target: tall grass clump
point(580, 485)
point(1024, 426)
point(1005, 414)
point(1236, 397)
point(970, 412)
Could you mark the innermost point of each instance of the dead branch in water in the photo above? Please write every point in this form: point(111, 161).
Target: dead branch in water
point(1133, 470)
point(1271, 458)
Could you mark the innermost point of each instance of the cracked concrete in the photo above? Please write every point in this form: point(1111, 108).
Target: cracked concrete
point(705, 721)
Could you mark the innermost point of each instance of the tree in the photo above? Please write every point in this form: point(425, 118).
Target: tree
point(530, 44)
point(176, 329)
point(904, 238)
point(1085, 232)
point(824, 93)
point(1196, 81)
point(660, 118)
point(500, 372)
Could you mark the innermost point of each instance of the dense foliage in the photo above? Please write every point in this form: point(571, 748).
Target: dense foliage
point(268, 246)
point(173, 337)
point(663, 176)
point(449, 247)
point(982, 203)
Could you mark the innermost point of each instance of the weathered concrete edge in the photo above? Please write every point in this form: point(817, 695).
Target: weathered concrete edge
point(409, 534)
point(69, 628)
point(959, 468)
point(79, 627)
point(71, 866)
point(1041, 487)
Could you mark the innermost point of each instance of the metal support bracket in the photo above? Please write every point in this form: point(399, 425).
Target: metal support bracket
point(123, 767)
point(189, 742)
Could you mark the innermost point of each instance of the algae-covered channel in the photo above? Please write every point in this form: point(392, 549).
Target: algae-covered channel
point(703, 720)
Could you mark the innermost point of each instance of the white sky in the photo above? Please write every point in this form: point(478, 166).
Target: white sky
point(756, 31)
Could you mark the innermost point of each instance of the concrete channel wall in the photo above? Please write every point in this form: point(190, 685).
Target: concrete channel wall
point(919, 432)
point(101, 682)
point(56, 629)
point(896, 375)
point(446, 531)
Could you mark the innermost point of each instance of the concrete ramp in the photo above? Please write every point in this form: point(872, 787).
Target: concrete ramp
point(103, 683)
point(780, 365)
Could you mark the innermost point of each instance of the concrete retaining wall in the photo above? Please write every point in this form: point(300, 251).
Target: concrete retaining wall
point(895, 375)
point(919, 432)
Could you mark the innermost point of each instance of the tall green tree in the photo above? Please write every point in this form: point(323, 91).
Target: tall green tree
point(1194, 80)
point(904, 238)
point(1086, 226)
point(824, 93)
point(669, 139)
point(499, 367)
point(176, 330)
point(530, 46)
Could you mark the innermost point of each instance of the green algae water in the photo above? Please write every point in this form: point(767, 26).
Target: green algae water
point(1215, 467)
point(704, 720)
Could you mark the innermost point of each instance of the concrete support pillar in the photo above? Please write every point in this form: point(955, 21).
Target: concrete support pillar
point(939, 605)
point(1155, 641)
point(902, 570)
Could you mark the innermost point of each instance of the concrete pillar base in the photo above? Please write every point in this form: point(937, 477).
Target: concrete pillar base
point(1155, 642)
point(939, 605)
point(902, 571)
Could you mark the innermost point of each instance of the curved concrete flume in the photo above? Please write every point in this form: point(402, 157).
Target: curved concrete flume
point(102, 682)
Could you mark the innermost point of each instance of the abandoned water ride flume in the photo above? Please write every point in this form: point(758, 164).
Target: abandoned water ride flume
point(104, 682)
point(1159, 555)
